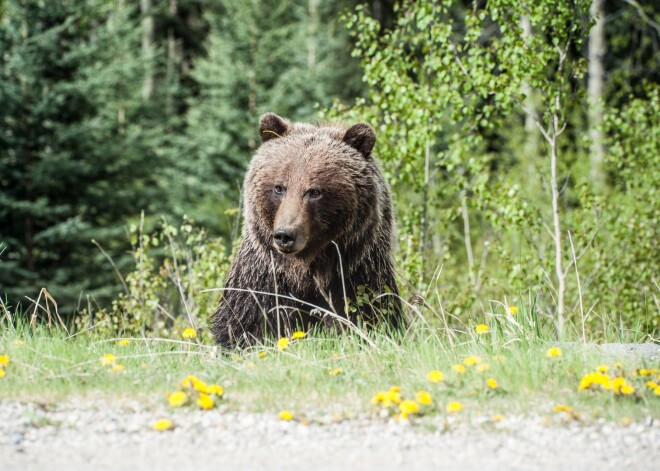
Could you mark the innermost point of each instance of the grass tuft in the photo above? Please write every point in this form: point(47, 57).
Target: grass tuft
point(329, 373)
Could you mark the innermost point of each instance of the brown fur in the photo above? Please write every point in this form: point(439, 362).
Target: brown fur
point(321, 183)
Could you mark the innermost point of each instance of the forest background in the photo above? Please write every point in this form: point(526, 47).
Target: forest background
point(521, 140)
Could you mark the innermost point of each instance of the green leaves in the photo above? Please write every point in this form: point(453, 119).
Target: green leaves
point(451, 87)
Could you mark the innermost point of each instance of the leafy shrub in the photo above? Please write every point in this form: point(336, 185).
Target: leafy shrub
point(165, 292)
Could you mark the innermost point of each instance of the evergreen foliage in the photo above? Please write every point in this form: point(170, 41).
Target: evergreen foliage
point(76, 160)
point(112, 109)
point(262, 55)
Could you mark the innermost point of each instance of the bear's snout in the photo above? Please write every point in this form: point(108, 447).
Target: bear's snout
point(284, 239)
point(290, 227)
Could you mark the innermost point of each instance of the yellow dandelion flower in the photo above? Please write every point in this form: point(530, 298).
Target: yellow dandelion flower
point(497, 418)
point(283, 343)
point(409, 407)
point(4, 360)
point(387, 398)
point(201, 386)
point(286, 415)
point(117, 367)
point(618, 365)
point(335, 371)
point(379, 398)
point(458, 368)
point(598, 379)
point(585, 383)
point(644, 372)
point(393, 396)
point(163, 424)
point(627, 389)
point(513, 310)
point(471, 360)
point(617, 384)
point(189, 381)
point(205, 401)
point(263, 354)
point(603, 380)
point(454, 406)
point(657, 391)
point(108, 359)
point(195, 383)
point(553, 352)
point(387, 401)
point(562, 408)
point(652, 385)
point(481, 329)
point(424, 398)
point(189, 333)
point(177, 399)
point(483, 367)
point(123, 342)
point(215, 389)
point(2, 372)
point(395, 389)
point(491, 383)
point(435, 376)
point(299, 334)
point(602, 368)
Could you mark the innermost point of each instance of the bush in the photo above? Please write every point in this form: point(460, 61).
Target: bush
point(165, 292)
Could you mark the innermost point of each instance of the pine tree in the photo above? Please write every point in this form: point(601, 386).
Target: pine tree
point(282, 56)
point(75, 159)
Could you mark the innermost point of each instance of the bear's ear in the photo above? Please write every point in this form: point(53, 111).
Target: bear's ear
point(361, 137)
point(272, 126)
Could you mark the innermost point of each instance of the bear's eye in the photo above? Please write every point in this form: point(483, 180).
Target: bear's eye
point(314, 193)
point(279, 189)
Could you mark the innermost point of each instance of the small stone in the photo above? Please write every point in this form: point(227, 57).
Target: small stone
point(17, 438)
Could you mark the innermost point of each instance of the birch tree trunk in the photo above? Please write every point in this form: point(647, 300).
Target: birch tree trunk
point(531, 146)
point(147, 47)
point(597, 49)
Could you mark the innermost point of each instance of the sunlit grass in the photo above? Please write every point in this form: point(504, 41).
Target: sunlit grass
point(322, 372)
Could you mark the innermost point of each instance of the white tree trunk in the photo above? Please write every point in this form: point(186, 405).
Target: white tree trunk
point(147, 47)
point(595, 86)
point(556, 223)
point(531, 147)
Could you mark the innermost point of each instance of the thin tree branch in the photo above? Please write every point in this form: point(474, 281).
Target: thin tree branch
point(642, 13)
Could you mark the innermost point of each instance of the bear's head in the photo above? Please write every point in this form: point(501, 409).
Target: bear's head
point(308, 186)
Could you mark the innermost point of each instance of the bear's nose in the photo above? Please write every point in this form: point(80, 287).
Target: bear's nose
point(284, 239)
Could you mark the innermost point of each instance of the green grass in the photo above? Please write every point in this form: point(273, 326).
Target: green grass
point(48, 366)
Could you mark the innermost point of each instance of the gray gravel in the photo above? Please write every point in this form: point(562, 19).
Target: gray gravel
point(645, 351)
point(117, 435)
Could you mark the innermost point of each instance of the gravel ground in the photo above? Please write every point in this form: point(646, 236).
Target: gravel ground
point(646, 351)
point(117, 435)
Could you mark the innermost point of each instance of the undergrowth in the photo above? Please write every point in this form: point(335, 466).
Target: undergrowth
point(339, 374)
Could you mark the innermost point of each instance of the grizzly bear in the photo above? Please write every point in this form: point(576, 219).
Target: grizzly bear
point(318, 234)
